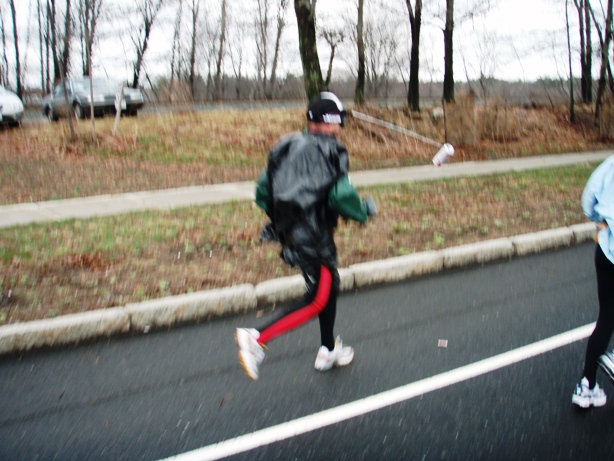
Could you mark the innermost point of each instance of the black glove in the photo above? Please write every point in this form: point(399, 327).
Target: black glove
point(269, 233)
point(370, 207)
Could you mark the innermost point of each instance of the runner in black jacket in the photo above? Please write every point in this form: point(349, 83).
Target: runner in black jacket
point(304, 190)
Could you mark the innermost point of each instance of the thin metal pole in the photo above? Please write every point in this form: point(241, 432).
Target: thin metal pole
point(390, 126)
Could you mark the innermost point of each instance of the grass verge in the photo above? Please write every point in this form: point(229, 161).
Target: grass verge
point(54, 269)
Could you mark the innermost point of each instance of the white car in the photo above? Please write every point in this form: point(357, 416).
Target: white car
point(78, 92)
point(11, 108)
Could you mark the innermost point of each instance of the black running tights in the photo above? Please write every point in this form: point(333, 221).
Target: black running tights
point(600, 338)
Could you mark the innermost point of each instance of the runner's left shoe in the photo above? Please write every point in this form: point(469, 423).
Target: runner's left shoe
point(340, 356)
point(585, 397)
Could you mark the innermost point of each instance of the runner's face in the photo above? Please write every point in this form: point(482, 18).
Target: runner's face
point(331, 129)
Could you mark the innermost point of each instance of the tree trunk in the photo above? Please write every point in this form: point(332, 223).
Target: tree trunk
point(448, 78)
point(281, 23)
point(5, 64)
point(149, 12)
point(306, 20)
point(604, 63)
point(192, 77)
point(580, 7)
point(329, 72)
point(572, 112)
point(359, 92)
point(586, 50)
point(52, 15)
point(588, 53)
point(48, 45)
point(415, 21)
point(39, 15)
point(17, 60)
point(67, 40)
point(89, 12)
point(176, 50)
point(262, 47)
point(220, 54)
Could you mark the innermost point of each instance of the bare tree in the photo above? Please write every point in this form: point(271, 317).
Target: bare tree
point(66, 42)
point(584, 21)
point(587, 75)
point(333, 38)
point(195, 13)
point(262, 41)
point(381, 48)
point(267, 73)
point(602, 39)
point(89, 13)
point(52, 40)
point(359, 91)
point(448, 39)
point(572, 111)
point(148, 10)
point(4, 74)
point(55, 43)
point(488, 56)
point(220, 53)
point(415, 21)
point(235, 53)
point(605, 47)
point(211, 40)
point(473, 9)
point(305, 11)
point(40, 18)
point(176, 50)
point(281, 23)
point(19, 86)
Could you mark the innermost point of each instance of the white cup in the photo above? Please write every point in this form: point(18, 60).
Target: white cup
point(444, 153)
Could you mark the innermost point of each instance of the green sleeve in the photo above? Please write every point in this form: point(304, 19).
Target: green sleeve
point(344, 199)
point(262, 192)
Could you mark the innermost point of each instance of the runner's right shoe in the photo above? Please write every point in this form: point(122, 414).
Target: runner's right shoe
point(606, 362)
point(251, 353)
point(585, 397)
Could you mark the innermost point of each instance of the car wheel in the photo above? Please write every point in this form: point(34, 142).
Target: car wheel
point(51, 115)
point(78, 111)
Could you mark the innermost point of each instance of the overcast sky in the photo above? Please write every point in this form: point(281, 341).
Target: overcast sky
point(517, 40)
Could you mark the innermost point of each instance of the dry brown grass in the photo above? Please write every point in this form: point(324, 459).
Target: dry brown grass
point(41, 163)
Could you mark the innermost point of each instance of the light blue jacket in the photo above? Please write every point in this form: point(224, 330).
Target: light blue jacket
point(598, 203)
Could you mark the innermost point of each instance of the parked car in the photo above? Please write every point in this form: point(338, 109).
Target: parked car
point(11, 108)
point(106, 99)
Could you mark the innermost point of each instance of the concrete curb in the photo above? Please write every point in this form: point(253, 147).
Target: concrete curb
point(63, 330)
point(165, 312)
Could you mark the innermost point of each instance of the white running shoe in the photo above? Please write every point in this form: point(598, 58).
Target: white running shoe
point(606, 362)
point(251, 353)
point(340, 356)
point(585, 397)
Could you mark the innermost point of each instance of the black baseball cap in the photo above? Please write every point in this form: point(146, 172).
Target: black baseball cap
point(326, 108)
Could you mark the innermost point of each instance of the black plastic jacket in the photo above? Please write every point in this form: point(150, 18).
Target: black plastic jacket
point(304, 190)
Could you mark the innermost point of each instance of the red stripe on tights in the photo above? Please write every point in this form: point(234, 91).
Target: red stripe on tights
point(303, 314)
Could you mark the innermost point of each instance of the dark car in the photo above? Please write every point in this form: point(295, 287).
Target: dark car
point(78, 96)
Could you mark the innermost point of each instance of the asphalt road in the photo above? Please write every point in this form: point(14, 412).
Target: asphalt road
point(171, 392)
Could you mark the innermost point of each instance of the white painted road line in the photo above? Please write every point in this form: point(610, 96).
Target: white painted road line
point(375, 402)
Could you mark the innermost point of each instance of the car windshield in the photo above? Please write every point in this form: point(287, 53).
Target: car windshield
point(99, 85)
